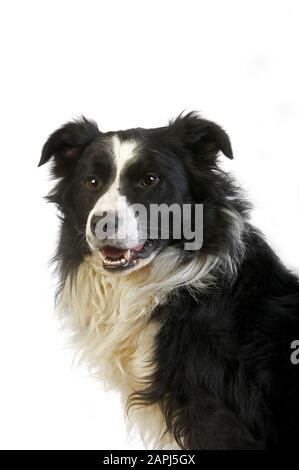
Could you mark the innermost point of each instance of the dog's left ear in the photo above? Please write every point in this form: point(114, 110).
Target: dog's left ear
point(202, 137)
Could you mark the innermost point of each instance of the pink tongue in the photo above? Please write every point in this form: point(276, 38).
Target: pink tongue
point(138, 247)
point(116, 253)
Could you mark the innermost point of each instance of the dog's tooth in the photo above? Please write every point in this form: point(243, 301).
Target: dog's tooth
point(127, 255)
point(123, 261)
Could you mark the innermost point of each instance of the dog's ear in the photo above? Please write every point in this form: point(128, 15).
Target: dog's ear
point(67, 144)
point(202, 137)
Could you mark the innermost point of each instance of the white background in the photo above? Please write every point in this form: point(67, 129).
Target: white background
point(125, 63)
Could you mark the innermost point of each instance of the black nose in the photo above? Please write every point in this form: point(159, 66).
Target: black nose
point(108, 222)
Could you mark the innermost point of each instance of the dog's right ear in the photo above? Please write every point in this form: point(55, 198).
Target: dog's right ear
point(67, 144)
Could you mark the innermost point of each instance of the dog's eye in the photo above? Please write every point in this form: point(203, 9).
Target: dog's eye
point(92, 183)
point(149, 180)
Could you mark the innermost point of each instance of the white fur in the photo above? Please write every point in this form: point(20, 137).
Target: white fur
point(123, 151)
point(109, 316)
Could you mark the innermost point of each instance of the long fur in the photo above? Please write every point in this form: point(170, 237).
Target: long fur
point(198, 343)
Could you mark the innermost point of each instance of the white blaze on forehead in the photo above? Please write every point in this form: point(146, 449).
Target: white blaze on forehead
point(123, 151)
point(112, 201)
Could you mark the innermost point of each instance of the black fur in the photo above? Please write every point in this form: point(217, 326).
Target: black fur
point(224, 378)
point(223, 375)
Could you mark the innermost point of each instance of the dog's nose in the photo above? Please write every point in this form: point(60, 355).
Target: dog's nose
point(106, 222)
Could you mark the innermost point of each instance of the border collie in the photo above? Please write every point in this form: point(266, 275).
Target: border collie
point(198, 342)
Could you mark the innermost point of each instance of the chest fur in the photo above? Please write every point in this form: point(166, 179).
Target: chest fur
point(110, 317)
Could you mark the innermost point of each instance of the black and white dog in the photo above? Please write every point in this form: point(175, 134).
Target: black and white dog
point(198, 342)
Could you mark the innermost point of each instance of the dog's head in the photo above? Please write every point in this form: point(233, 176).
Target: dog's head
point(110, 185)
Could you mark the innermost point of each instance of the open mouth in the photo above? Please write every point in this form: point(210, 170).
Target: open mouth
point(123, 258)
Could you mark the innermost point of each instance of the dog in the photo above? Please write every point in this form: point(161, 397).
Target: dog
point(199, 342)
